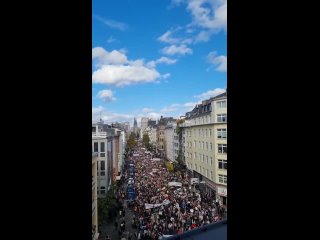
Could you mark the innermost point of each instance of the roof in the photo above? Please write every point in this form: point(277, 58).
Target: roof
point(205, 107)
point(216, 231)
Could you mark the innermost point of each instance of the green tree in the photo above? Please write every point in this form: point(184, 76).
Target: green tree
point(132, 143)
point(146, 140)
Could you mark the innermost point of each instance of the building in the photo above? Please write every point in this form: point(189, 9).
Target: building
point(126, 126)
point(95, 232)
point(152, 123)
point(168, 139)
point(176, 142)
point(99, 146)
point(144, 125)
point(171, 141)
point(205, 135)
point(122, 147)
point(161, 126)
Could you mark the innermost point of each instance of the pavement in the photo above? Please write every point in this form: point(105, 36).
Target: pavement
point(109, 228)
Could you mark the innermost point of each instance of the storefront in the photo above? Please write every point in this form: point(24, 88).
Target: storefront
point(222, 193)
point(210, 187)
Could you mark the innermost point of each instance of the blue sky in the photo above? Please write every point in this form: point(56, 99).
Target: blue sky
point(156, 57)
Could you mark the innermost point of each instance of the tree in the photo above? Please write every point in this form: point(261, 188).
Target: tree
point(132, 143)
point(146, 140)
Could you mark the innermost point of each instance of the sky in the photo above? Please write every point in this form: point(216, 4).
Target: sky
point(153, 58)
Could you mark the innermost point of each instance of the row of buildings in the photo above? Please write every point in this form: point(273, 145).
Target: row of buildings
point(198, 141)
point(108, 149)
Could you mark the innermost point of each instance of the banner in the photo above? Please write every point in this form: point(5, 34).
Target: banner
point(149, 206)
point(174, 184)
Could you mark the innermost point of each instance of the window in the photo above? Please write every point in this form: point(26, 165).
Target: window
point(202, 145)
point(211, 175)
point(95, 147)
point(222, 178)
point(222, 133)
point(211, 146)
point(222, 104)
point(195, 155)
point(102, 173)
point(102, 154)
point(207, 160)
point(222, 148)
point(207, 173)
point(102, 148)
point(103, 165)
point(211, 160)
point(222, 164)
point(221, 117)
point(103, 190)
point(210, 132)
point(195, 167)
point(195, 143)
point(199, 156)
point(207, 145)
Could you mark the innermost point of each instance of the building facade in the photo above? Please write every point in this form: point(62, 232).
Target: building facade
point(168, 139)
point(144, 125)
point(99, 146)
point(205, 134)
point(95, 232)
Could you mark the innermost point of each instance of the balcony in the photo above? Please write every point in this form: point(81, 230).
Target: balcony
point(99, 134)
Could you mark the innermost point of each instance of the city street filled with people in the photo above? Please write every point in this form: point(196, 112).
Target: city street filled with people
point(162, 202)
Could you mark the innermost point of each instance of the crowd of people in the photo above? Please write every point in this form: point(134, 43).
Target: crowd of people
point(160, 209)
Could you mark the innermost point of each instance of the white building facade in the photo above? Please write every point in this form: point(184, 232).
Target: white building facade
point(99, 146)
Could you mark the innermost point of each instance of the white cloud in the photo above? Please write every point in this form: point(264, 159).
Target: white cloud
point(147, 110)
point(220, 61)
point(97, 110)
point(111, 39)
point(213, 15)
point(203, 36)
point(104, 57)
point(106, 95)
point(114, 68)
point(164, 76)
point(210, 93)
point(124, 75)
point(179, 50)
point(108, 116)
point(166, 37)
point(165, 60)
point(112, 23)
point(172, 108)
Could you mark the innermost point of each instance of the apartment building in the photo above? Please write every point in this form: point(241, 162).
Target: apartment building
point(99, 146)
point(168, 139)
point(161, 126)
point(205, 136)
point(172, 142)
point(95, 232)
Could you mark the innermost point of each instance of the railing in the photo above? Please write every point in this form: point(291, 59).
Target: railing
point(99, 134)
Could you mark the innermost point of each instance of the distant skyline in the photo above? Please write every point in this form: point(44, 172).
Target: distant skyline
point(156, 57)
